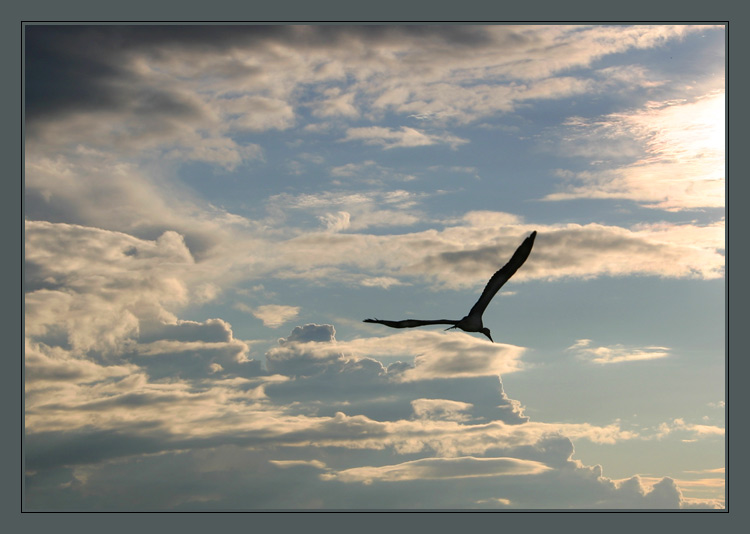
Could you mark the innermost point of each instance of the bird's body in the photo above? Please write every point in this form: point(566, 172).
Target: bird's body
point(473, 321)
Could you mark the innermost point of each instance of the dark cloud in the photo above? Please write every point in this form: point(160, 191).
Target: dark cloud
point(69, 68)
point(210, 331)
point(584, 251)
point(45, 450)
point(326, 379)
point(231, 477)
point(375, 450)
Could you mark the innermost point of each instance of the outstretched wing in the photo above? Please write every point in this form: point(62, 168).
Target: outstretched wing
point(503, 275)
point(409, 323)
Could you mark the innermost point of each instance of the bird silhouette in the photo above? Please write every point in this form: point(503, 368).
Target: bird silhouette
point(473, 321)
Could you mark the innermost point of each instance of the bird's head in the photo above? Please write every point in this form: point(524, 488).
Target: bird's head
point(486, 332)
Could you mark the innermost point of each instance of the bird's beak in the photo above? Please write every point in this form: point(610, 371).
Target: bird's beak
point(490, 337)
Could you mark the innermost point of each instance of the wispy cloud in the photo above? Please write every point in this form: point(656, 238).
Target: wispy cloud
point(274, 315)
point(440, 468)
point(669, 155)
point(678, 425)
point(616, 353)
point(404, 137)
point(344, 210)
point(381, 281)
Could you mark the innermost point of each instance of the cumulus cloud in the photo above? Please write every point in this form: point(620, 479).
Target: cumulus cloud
point(436, 354)
point(462, 356)
point(95, 297)
point(318, 395)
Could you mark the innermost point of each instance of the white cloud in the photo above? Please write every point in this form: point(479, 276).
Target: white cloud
point(381, 281)
point(96, 296)
point(669, 155)
point(405, 137)
point(352, 169)
point(678, 425)
point(440, 468)
point(336, 222)
point(616, 353)
point(294, 463)
point(353, 211)
point(336, 103)
point(274, 315)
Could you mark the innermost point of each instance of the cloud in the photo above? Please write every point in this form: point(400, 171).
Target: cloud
point(440, 409)
point(158, 93)
point(95, 297)
point(369, 172)
point(294, 463)
point(274, 315)
point(440, 469)
point(436, 355)
point(462, 356)
point(465, 253)
point(717, 470)
point(668, 155)
point(405, 137)
point(350, 211)
point(184, 414)
point(45, 366)
point(184, 417)
point(352, 169)
point(585, 251)
point(664, 494)
point(336, 104)
point(311, 332)
point(96, 189)
point(336, 221)
point(254, 59)
point(616, 353)
point(381, 281)
point(694, 431)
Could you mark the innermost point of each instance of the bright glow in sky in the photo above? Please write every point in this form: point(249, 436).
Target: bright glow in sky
point(211, 212)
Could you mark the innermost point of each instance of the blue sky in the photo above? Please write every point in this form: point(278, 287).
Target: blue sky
point(212, 211)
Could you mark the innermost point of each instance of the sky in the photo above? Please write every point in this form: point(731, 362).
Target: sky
point(212, 211)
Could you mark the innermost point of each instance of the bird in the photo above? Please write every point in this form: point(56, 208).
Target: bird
point(473, 321)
